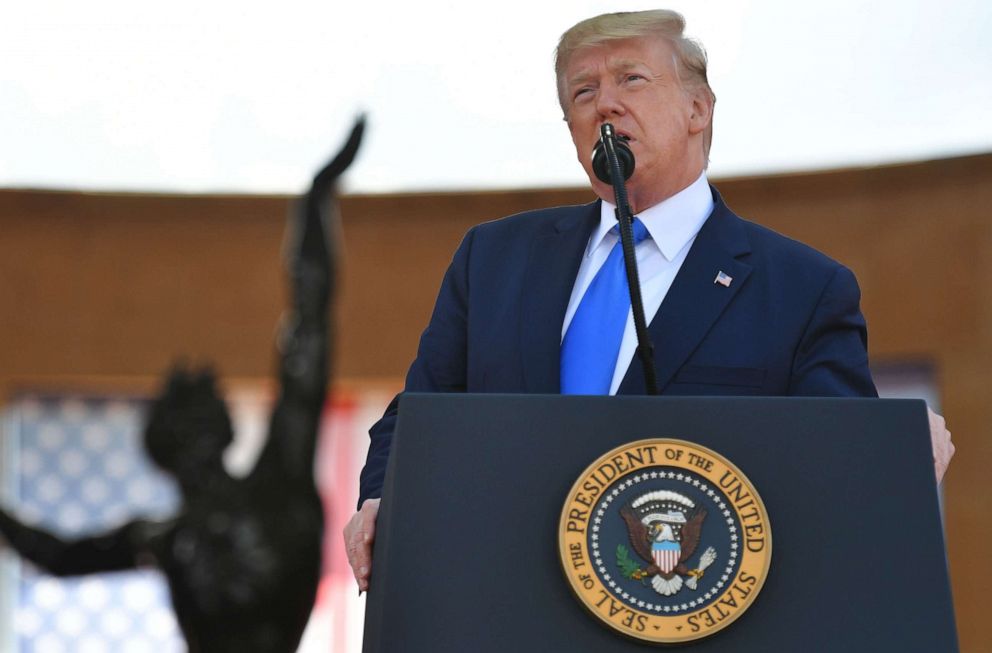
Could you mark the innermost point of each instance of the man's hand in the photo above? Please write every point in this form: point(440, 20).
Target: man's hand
point(359, 533)
point(943, 448)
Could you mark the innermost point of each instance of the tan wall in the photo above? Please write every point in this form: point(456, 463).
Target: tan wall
point(99, 289)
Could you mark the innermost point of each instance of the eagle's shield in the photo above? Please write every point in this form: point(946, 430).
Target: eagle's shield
point(666, 555)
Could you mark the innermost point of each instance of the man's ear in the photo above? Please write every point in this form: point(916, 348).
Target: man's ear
point(702, 109)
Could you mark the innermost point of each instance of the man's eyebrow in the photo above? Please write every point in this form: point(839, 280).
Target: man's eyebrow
point(580, 78)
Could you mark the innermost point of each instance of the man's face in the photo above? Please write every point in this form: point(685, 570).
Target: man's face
point(634, 84)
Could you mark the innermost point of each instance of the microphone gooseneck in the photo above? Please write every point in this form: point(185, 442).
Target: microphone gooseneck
point(619, 166)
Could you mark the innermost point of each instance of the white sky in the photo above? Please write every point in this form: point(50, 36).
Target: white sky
point(249, 96)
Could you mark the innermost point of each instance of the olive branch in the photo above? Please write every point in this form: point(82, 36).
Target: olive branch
point(628, 567)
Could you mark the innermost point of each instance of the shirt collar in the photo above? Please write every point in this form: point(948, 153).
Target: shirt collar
point(671, 223)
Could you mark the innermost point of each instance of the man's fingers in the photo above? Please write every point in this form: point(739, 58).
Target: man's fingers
point(359, 534)
point(359, 557)
point(359, 553)
point(940, 439)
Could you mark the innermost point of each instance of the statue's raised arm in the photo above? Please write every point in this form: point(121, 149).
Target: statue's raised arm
point(302, 344)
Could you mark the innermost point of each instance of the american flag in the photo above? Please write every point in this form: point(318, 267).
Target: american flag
point(75, 466)
point(723, 279)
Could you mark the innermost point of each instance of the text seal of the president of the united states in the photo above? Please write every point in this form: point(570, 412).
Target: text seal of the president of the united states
point(664, 540)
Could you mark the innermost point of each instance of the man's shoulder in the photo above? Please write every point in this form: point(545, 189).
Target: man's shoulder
point(773, 247)
point(536, 221)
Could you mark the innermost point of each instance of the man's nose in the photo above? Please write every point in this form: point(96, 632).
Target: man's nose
point(608, 101)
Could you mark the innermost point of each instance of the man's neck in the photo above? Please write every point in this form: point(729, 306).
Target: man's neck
point(643, 196)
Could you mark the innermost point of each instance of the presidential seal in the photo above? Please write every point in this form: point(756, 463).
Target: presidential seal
point(664, 541)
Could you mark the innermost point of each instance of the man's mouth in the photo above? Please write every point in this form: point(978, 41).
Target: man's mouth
point(621, 135)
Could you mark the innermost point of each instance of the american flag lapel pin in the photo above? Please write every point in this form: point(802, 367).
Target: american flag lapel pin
point(723, 279)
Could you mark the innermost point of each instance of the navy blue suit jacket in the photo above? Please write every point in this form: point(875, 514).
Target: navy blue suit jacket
point(788, 324)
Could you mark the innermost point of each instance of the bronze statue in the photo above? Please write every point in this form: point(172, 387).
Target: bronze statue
point(242, 556)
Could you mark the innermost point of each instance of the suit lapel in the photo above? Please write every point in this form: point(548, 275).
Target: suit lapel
point(551, 268)
point(695, 301)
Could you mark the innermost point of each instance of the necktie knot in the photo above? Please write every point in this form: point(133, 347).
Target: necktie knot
point(640, 231)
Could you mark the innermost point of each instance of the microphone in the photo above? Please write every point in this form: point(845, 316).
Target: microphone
point(613, 155)
point(600, 160)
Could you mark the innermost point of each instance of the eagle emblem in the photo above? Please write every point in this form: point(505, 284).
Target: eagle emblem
point(664, 529)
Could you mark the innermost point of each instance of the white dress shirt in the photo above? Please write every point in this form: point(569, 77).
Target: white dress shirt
point(672, 227)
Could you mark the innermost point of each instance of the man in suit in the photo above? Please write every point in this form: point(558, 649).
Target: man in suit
point(734, 308)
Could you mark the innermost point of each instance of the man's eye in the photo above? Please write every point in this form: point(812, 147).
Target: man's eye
point(634, 77)
point(582, 93)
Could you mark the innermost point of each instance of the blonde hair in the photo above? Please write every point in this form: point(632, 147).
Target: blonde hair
point(663, 23)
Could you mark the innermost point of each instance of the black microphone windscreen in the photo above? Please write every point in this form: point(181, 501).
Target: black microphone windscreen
point(601, 164)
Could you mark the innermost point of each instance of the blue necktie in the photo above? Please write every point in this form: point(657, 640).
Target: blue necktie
point(591, 344)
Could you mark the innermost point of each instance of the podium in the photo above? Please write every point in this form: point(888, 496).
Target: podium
point(466, 556)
